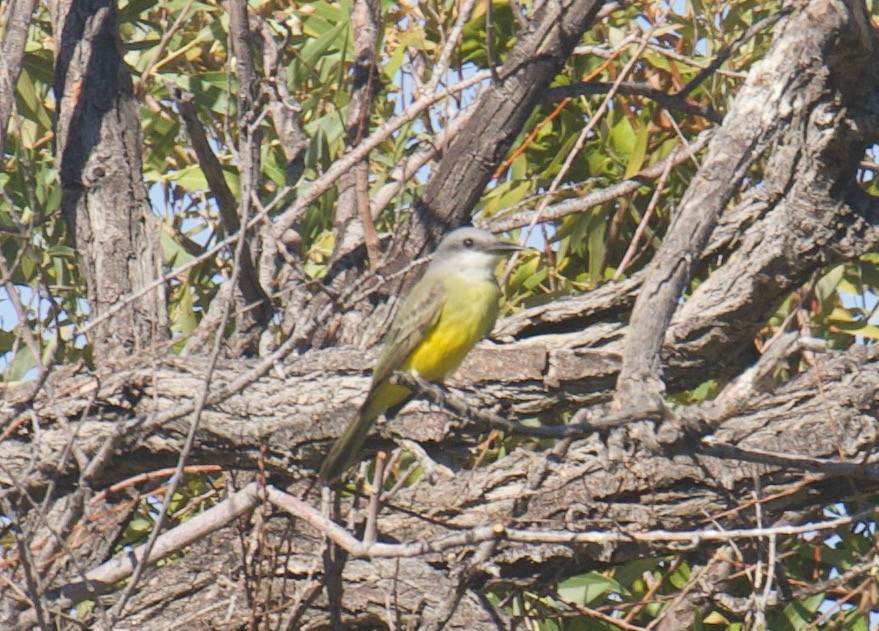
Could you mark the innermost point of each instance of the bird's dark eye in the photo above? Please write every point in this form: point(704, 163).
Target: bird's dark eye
point(468, 243)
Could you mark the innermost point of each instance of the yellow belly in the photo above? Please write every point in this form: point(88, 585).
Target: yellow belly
point(468, 315)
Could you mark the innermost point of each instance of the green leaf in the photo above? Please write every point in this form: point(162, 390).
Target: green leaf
point(21, 364)
point(585, 588)
point(317, 49)
point(183, 318)
point(639, 152)
point(826, 287)
point(623, 138)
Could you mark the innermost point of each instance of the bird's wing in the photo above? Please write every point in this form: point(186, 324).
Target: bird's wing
point(414, 320)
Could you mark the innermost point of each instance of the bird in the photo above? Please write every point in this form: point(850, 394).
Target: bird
point(451, 307)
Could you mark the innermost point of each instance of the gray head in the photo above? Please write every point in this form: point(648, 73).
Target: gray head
point(471, 250)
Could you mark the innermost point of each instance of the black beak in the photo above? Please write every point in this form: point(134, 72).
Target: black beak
point(502, 247)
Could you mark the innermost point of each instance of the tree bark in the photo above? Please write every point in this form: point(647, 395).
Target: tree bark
point(810, 440)
point(466, 167)
point(98, 145)
point(813, 163)
point(644, 490)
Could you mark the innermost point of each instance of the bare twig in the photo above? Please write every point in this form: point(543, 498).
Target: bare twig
point(40, 515)
point(671, 101)
point(741, 605)
point(636, 238)
point(680, 613)
point(182, 15)
point(589, 612)
point(151, 475)
point(582, 203)
point(378, 136)
point(575, 150)
point(442, 64)
point(32, 578)
point(731, 49)
point(378, 479)
point(825, 466)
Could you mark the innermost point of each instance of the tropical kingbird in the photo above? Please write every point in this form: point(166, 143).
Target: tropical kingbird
point(453, 306)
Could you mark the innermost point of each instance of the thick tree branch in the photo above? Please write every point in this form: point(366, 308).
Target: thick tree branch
point(752, 123)
point(99, 160)
point(467, 166)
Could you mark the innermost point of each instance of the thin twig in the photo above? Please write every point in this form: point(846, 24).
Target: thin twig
point(384, 131)
point(31, 576)
point(575, 150)
point(442, 64)
point(582, 203)
point(140, 88)
point(670, 101)
point(598, 615)
point(731, 49)
point(378, 480)
point(642, 225)
point(868, 469)
point(150, 475)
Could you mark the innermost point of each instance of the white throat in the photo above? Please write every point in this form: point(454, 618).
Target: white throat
point(471, 263)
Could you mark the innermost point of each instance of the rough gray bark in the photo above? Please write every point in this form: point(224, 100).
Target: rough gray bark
point(105, 205)
point(466, 167)
point(254, 317)
point(352, 220)
point(821, 63)
point(561, 356)
point(644, 490)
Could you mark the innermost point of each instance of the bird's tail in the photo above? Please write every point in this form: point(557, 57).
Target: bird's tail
point(346, 447)
point(385, 398)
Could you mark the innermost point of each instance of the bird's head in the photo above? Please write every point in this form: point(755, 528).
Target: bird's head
point(472, 250)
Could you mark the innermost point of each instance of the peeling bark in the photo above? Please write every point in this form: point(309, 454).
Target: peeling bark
point(132, 417)
point(104, 203)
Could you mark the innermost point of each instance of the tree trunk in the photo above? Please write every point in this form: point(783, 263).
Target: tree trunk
point(98, 145)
